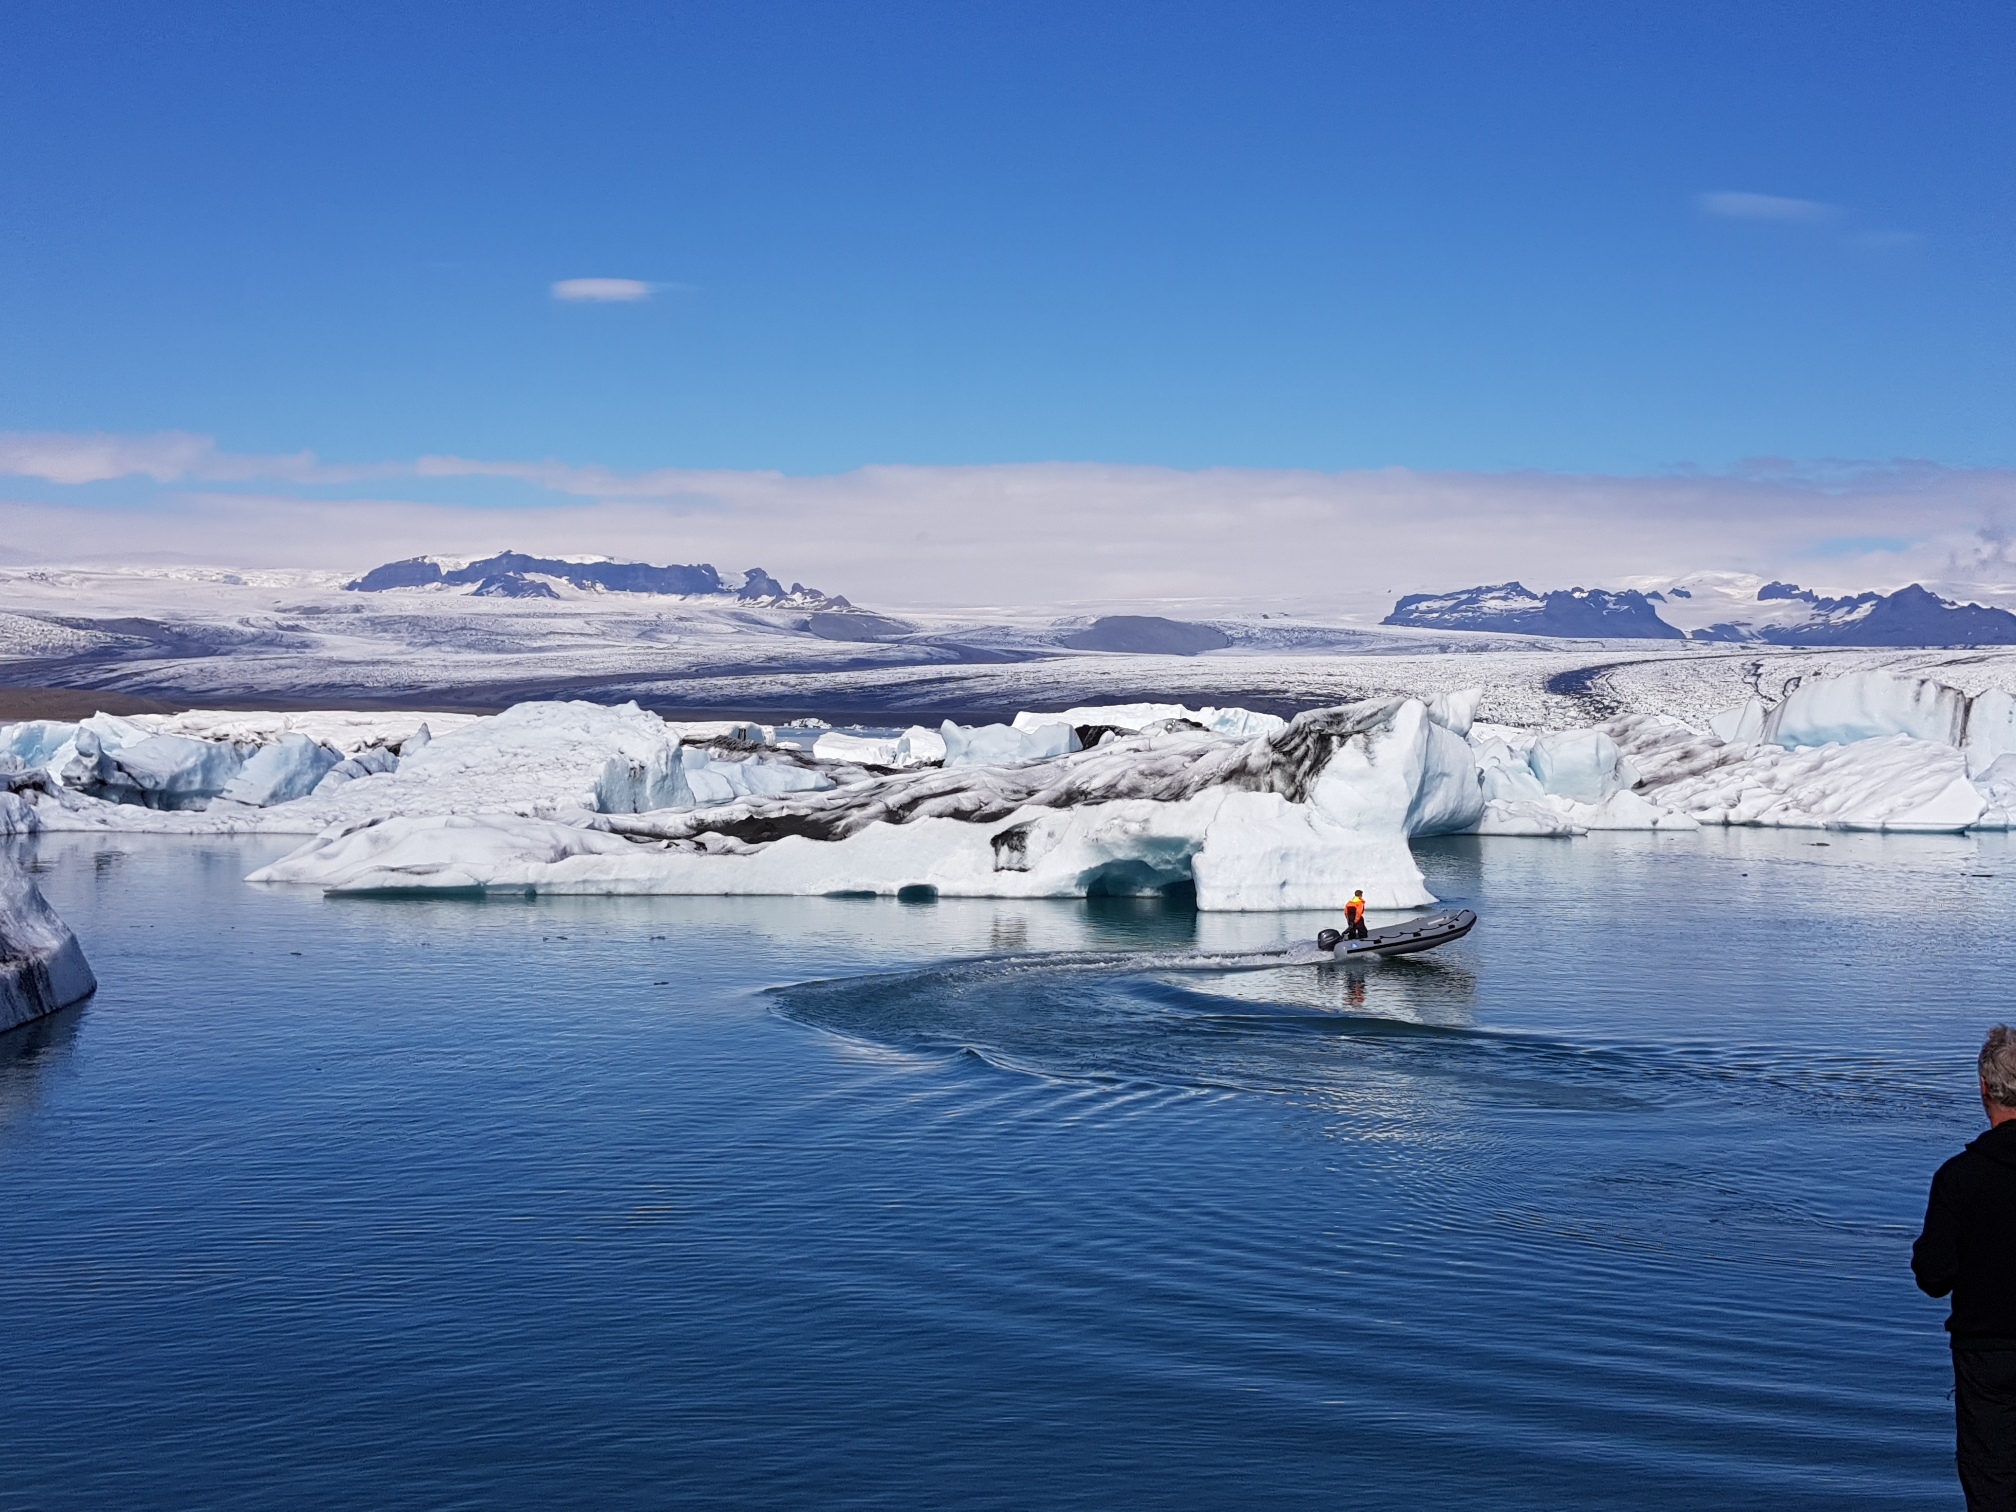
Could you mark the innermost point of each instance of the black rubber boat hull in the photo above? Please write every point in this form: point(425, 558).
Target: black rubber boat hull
point(1408, 938)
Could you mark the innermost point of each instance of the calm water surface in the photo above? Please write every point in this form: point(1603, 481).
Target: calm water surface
point(786, 1203)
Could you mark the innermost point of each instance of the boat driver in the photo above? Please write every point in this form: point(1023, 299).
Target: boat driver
point(1354, 916)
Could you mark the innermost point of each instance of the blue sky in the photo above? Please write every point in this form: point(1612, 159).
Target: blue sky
point(1469, 237)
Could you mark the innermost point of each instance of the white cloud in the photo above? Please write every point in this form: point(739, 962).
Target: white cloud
point(602, 290)
point(1735, 204)
point(1052, 534)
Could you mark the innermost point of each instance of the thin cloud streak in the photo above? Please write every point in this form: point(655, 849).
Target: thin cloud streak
point(602, 290)
point(1732, 204)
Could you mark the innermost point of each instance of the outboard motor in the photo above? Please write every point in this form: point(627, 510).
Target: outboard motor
point(1326, 939)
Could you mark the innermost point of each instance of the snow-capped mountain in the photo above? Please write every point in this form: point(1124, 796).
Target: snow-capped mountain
point(1516, 609)
point(513, 574)
point(1716, 607)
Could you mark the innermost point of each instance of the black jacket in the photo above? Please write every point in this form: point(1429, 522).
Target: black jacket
point(1969, 1243)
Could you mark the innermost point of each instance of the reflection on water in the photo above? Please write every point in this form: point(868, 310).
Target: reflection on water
point(33, 1052)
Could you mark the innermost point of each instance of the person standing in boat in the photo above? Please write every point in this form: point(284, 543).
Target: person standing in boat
point(1354, 916)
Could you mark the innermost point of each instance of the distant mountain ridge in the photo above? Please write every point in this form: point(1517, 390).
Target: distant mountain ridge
point(513, 574)
point(1911, 616)
point(1517, 609)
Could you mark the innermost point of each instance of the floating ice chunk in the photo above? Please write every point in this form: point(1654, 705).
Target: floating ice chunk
point(288, 769)
point(921, 747)
point(419, 740)
point(1006, 745)
point(1139, 716)
point(1741, 725)
point(1867, 706)
point(1584, 765)
point(866, 750)
point(1456, 711)
point(42, 968)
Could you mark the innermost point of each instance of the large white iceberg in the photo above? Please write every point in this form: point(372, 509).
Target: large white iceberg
point(1298, 819)
point(42, 967)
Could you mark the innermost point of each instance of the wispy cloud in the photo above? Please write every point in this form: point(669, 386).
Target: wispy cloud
point(1031, 534)
point(1735, 204)
point(602, 290)
point(165, 457)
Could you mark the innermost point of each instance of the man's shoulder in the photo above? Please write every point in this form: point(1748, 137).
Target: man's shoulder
point(1986, 1159)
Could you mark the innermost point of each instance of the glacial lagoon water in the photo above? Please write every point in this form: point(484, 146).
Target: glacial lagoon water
point(841, 1203)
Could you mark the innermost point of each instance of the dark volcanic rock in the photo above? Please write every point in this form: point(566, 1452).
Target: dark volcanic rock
point(1147, 635)
point(1517, 609)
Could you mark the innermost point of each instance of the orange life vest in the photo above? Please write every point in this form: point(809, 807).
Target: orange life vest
point(1354, 910)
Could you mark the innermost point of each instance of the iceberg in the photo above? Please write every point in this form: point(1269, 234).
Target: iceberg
point(1867, 706)
point(158, 771)
point(279, 773)
point(1139, 716)
point(1584, 766)
point(1006, 745)
point(1296, 819)
point(42, 968)
point(1896, 783)
point(916, 746)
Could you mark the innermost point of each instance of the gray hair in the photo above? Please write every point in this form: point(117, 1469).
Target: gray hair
point(1998, 1066)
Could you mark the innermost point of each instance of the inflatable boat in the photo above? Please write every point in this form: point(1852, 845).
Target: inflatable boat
point(1401, 939)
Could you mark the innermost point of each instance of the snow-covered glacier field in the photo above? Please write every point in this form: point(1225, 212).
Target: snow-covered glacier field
point(207, 638)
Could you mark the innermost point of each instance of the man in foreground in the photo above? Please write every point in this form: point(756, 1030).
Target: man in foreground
point(1968, 1248)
